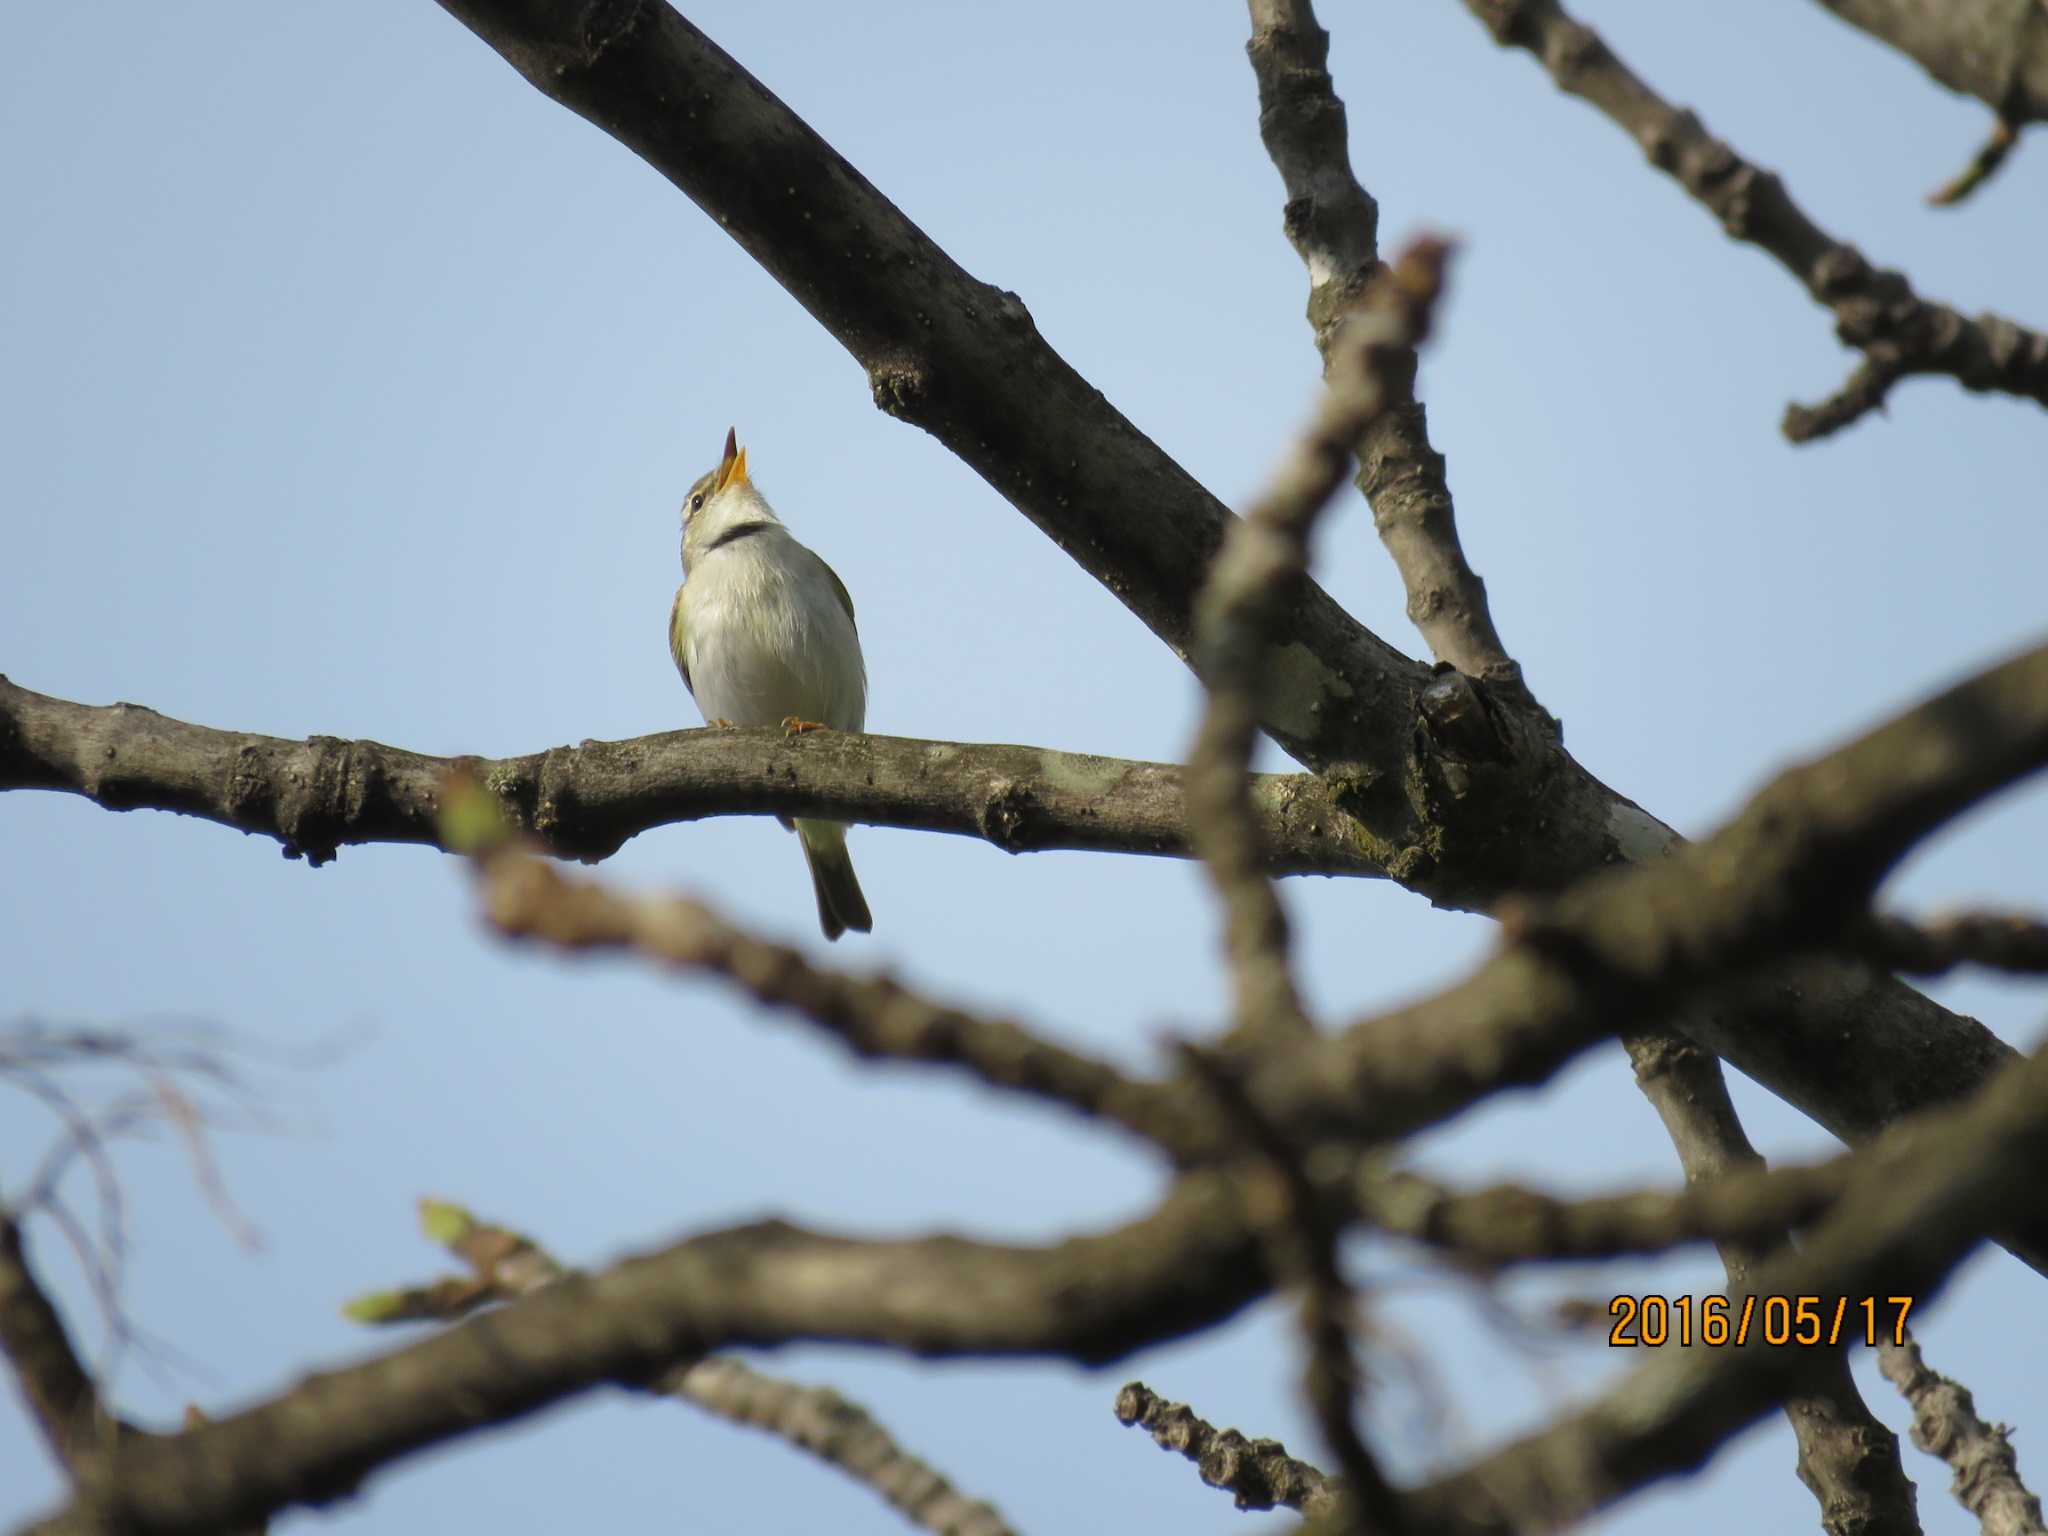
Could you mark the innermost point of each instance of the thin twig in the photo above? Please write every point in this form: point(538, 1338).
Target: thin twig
point(1256, 575)
point(1900, 1230)
point(1303, 1237)
point(59, 1392)
point(1259, 1473)
point(526, 897)
point(1999, 941)
point(505, 1265)
point(1848, 1457)
point(1945, 1424)
point(1877, 312)
point(1333, 224)
point(1991, 154)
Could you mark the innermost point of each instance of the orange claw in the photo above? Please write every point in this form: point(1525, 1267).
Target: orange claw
point(797, 727)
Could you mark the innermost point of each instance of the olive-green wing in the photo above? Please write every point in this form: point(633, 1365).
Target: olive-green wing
point(675, 637)
point(845, 597)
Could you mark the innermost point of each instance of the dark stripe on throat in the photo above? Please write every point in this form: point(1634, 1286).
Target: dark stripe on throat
point(732, 534)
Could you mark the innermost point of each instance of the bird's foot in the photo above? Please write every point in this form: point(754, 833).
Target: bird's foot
point(796, 726)
point(720, 724)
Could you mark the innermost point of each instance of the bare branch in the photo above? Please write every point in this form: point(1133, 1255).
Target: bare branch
point(528, 898)
point(1997, 147)
point(506, 1265)
point(1259, 1473)
point(1792, 871)
point(315, 796)
point(60, 1395)
point(1255, 580)
point(1332, 222)
point(1945, 1424)
point(1899, 333)
point(1303, 1239)
point(1508, 1224)
point(1095, 1298)
point(1848, 1457)
point(1900, 1231)
point(1994, 50)
point(2001, 941)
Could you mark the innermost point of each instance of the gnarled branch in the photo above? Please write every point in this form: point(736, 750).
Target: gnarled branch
point(318, 795)
point(1899, 333)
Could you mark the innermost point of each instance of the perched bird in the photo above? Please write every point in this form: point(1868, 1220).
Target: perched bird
point(763, 633)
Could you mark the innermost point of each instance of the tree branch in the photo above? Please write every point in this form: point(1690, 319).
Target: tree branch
point(318, 795)
point(60, 1395)
point(505, 1265)
point(877, 1017)
point(1794, 870)
point(1332, 223)
point(1898, 1232)
point(1945, 1424)
point(1899, 333)
point(1848, 1458)
point(1188, 1265)
point(1259, 1473)
point(1256, 578)
point(1994, 50)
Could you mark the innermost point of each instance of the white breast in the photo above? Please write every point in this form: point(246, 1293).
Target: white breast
point(767, 637)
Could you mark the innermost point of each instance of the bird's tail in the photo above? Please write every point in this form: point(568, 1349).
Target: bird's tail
point(840, 903)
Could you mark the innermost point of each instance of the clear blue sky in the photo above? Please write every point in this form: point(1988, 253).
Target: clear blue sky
point(350, 387)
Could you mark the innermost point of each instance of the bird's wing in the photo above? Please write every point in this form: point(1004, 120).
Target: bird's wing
point(675, 638)
point(845, 597)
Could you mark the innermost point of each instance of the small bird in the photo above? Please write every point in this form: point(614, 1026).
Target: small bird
point(763, 633)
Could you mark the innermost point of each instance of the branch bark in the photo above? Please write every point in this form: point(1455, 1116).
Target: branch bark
point(1899, 1232)
point(1848, 1458)
point(506, 1265)
point(1189, 1264)
point(1945, 1424)
point(319, 795)
point(60, 1395)
point(1333, 224)
point(1994, 50)
point(1899, 333)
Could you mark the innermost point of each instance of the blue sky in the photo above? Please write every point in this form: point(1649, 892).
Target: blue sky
point(350, 387)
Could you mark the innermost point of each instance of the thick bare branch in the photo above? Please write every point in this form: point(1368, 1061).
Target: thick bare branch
point(1848, 1457)
point(1095, 1298)
point(1793, 870)
point(1945, 1424)
point(1257, 576)
point(1994, 50)
point(1900, 1231)
point(876, 1016)
point(1304, 1240)
point(1508, 1224)
point(1332, 222)
point(505, 1265)
point(59, 1393)
point(1899, 333)
point(318, 795)
point(1259, 1473)
point(2000, 941)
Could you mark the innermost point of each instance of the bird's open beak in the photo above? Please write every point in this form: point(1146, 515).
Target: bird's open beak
point(732, 469)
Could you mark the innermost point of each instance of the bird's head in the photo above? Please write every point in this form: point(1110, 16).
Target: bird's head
point(722, 498)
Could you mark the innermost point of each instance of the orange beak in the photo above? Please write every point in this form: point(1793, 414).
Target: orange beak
point(732, 469)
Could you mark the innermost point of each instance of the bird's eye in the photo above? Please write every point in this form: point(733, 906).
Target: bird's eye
point(697, 502)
